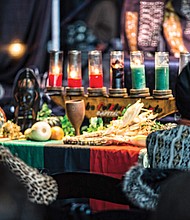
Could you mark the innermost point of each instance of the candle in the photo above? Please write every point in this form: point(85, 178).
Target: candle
point(96, 78)
point(117, 79)
point(74, 69)
point(138, 77)
point(73, 80)
point(161, 71)
point(117, 69)
point(137, 70)
point(95, 69)
point(55, 69)
point(161, 78)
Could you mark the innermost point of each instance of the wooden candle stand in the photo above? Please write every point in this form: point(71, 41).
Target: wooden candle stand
point(106, 106)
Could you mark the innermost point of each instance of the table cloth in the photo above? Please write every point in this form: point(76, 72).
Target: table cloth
point(55, 157)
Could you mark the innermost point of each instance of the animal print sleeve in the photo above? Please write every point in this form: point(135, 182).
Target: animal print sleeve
point(41, 188)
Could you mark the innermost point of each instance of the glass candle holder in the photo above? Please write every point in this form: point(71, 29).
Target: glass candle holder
point(183, 61)
point(95, 69)
point(137, 70)
point(117, 69)
point(161, 71)
point(55, 69)
point(74, 69)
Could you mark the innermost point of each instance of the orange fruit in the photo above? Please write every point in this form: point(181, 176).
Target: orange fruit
point(57, 133)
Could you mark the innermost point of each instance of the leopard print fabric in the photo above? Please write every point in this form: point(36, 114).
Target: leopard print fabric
point(169, 148)
point(41, 188)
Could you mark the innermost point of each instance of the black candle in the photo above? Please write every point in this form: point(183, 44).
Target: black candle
point(117, 75)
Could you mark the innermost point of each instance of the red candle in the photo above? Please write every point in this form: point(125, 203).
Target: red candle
point(74, 69)
point(95, 69)
point(55, 69)
point(96, 79)
point(55, 80)
point(73, 80)
point(55, 77)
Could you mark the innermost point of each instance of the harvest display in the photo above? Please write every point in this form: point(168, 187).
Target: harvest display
point(132, 128)
point(46, 128)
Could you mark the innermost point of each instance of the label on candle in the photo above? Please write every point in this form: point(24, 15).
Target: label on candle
point(55, 80)
point(138, 77)
point(96, 81)
point(74, 83)
point(162, 78)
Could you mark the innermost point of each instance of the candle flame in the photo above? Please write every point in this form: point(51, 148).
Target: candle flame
point(96, 71)
point(73, 74)
point(56, 70)
point(116, 66)
point(137, 62)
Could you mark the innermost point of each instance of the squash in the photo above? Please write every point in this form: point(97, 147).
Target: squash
point(28, 133)
point(40, 131)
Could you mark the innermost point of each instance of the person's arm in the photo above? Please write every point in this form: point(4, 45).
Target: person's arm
point(41, 188)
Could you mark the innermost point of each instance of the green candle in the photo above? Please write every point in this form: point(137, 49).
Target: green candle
point(162, 78)
point(138, 77)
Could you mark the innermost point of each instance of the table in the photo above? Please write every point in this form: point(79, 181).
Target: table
point(55, 157)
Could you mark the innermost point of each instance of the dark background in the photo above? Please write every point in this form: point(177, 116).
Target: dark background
point(29, 22)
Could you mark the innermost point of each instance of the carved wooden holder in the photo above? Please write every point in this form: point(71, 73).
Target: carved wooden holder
point(106, 106)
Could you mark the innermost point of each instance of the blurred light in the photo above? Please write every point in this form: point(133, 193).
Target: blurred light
point(16, 49)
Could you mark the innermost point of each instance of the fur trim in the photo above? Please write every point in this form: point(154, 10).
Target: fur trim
point(137, 191)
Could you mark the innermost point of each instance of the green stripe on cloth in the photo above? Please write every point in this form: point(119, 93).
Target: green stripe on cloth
point(31, 152)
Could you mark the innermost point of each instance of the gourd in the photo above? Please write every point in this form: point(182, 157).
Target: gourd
point(40, 131)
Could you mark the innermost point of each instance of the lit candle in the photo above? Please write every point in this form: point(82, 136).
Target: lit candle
point(95, 69)
point(137, 70)
point(74, 80)
point(55, 69)
point(117, 69)
point(161, 71)
point(74, 69)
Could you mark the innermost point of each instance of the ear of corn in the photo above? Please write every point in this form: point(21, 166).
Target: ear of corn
point(138, 140)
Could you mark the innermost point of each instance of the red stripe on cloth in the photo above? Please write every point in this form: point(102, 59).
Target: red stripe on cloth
point(112, 161)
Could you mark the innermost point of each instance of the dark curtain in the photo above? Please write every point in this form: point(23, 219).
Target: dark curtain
point(29, 22)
